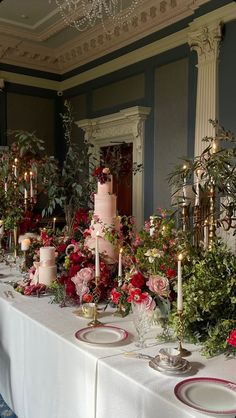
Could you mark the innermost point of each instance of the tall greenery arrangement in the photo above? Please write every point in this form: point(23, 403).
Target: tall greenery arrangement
point(68, 186)
point(216, 165)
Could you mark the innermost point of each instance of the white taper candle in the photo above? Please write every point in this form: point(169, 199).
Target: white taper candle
point(179, 285)
point(97, 262)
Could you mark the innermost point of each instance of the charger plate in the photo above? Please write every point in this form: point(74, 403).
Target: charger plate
point(104, 335)
point(207, 394)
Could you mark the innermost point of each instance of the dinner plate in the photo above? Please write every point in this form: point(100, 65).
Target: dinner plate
point(104, 335)
point(208, 395)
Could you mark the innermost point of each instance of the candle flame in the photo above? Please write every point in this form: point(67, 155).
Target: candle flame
point(31, 173)
point(97, 233)
point(121, 250)
point(180, 257)
point(16, 160)
point(184, 167)
point(54, 219)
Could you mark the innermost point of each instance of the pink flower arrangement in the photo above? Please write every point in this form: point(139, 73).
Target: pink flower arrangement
point(232, 338)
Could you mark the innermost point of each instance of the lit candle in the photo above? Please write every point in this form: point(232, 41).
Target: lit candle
point(152, 229)
point(184, 186)
point(54, 224)
point(97, 263)
point(179, 285)
point(120, 263)
point(25, 189)
point(5, 186)
point(31, 185)
point(197, 189)
point(25, 244)
point(15, 167)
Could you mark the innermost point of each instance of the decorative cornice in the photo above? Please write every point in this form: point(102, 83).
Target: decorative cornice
point(94, 43)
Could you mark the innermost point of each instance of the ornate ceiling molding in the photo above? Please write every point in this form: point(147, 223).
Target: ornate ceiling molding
point(94, 43)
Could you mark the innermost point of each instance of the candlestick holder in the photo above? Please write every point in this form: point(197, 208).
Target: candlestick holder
point(197, 225)
point(96, 293)
point(180, 334)
point(185, 217)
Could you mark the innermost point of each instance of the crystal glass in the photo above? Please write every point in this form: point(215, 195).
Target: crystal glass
point(142, 322)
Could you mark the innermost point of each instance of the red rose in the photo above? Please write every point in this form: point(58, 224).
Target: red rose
point(115, 296)
point(61, 248)
point(76, 258)
point(232, 338)
point(87, 298)
point(137, 280)
point(171, 273)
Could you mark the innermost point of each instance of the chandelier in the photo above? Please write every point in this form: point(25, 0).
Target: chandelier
point(83, 14)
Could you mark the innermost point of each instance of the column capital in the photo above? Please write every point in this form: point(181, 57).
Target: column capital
point(206, 41)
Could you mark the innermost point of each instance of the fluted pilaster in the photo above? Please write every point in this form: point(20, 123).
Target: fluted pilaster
point(206, 42)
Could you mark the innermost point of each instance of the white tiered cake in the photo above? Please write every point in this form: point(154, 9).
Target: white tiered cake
point(47, 269)
point(104, 218)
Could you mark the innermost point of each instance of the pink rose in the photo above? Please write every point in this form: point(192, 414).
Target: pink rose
point(158, 285)
point(85, 275)
point(106, 170)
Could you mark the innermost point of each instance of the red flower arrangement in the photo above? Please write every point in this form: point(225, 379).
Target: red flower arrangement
point(102, 174)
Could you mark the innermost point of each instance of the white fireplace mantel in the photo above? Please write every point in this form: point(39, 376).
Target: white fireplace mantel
point(127, 126)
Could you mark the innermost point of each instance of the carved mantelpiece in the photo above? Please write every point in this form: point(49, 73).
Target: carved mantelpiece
point(127, 126)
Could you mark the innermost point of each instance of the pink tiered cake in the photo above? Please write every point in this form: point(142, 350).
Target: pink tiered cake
point(104, 218)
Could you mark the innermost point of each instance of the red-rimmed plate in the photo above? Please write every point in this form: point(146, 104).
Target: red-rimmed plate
point(209, 395)
point(104, 335)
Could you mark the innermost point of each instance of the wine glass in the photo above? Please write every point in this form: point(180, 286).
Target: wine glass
point(142, 322)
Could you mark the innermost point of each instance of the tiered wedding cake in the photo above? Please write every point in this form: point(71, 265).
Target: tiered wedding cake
point(104, 218)
point(47, 269)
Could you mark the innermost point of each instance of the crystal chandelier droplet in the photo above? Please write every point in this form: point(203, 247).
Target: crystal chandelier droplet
point(83, 14)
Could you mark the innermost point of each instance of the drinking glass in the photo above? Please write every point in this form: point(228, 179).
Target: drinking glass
point(142, 322)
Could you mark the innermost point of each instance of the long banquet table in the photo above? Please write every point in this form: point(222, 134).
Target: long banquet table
point(45, 372)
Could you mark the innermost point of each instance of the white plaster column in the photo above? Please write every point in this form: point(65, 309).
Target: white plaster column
point(206, 41)
point(127, 125)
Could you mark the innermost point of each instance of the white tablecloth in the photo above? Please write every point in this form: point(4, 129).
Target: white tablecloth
point(46, 373)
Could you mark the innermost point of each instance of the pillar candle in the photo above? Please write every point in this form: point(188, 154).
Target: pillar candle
point(54, 224)
point(25, 244)
point(179, 285)
point(97, 263)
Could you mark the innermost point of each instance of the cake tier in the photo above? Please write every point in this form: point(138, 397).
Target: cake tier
point(105, 223)
point(105, 248)
point(47, 254)
point(105, 188)
point(47, 274)
point(105, 206)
